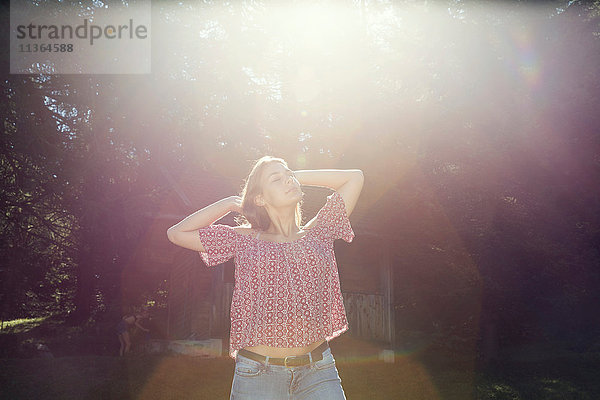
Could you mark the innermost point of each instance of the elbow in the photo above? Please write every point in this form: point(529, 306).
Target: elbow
point(358, 179)
point(359, 175)
point(171, 234)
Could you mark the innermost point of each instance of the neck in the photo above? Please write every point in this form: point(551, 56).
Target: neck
point(283, 223)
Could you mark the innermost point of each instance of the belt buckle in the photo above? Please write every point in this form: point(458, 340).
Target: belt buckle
point(294, 361)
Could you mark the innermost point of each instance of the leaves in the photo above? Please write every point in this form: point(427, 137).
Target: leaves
point(475, 127)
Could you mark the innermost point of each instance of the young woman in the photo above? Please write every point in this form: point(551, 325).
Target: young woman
point(123, 330)
point(287, 302)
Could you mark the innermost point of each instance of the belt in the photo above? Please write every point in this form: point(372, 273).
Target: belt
point(289, 361)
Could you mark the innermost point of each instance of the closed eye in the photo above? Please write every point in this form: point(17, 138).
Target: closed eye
point(289, 174)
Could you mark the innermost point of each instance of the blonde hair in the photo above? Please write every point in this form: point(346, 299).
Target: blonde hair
point(253, 215)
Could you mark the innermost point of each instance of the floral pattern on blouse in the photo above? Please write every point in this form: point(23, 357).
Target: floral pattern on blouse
point(285, 294)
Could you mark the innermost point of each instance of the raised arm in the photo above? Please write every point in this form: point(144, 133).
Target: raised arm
point(347, 182)
point(185, 232)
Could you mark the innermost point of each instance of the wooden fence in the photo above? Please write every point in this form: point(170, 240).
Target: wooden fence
point(368, 316)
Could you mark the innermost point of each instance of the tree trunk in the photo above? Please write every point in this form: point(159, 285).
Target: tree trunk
point(84, 292)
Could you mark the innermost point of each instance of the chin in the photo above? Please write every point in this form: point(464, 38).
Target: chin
point(299, 196)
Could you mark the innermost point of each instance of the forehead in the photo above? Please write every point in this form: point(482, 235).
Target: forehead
point(273, 168)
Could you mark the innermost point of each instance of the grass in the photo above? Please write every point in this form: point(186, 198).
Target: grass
point(21, 325)
point(191, 378)
point(572, 377)
point(102, 377)
point(427, 374)
point(182, 377)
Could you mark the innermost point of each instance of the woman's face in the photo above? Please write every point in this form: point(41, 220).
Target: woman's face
point(279, 186)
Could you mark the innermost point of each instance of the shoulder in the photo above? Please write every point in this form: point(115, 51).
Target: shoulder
point(226, 229)
point(323, 213)
point(334, 205)
point(244, 230)
point(310, 224)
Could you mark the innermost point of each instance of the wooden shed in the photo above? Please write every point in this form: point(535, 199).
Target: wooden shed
point(199, 297)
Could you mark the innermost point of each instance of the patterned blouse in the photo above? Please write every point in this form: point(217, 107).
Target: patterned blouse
point(285, 294)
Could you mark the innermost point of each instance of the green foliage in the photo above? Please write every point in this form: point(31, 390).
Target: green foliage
point(20, 325)
point(476, 128)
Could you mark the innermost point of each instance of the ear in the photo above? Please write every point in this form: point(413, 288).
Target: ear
point(259, 201)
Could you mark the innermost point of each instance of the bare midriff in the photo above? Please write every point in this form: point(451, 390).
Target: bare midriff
point(281, 352)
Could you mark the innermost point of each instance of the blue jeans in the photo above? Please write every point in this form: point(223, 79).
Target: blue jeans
point(315, 381)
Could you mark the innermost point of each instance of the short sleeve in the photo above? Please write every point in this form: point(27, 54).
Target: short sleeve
point(333, 218)
point(219, 241)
